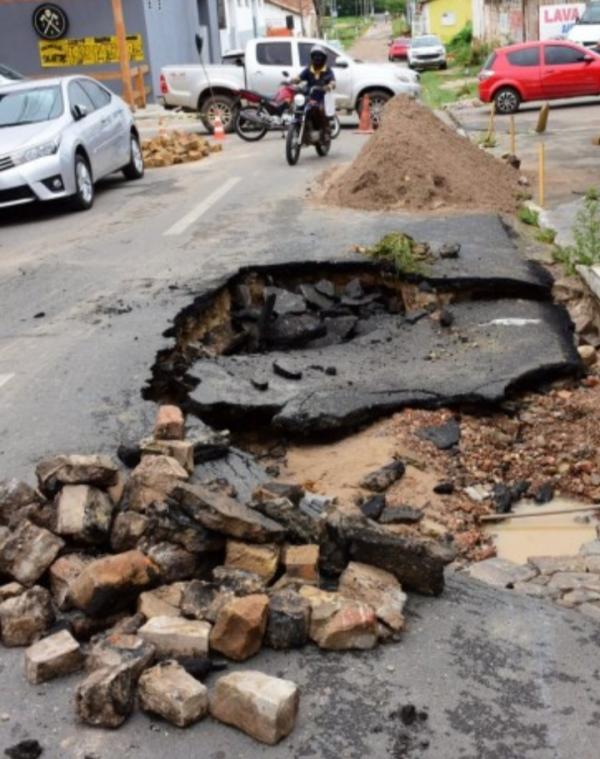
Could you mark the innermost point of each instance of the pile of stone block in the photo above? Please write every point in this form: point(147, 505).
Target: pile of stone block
point(142, 578)
point(175, 146)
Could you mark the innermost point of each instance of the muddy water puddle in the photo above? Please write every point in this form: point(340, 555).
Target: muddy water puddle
point(550, 535)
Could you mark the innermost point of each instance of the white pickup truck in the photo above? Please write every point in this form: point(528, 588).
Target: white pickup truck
point(213, 89)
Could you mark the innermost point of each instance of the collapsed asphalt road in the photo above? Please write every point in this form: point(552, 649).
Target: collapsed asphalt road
point(317, 347)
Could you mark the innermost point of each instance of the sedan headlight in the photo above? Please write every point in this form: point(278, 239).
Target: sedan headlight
point(36, 151)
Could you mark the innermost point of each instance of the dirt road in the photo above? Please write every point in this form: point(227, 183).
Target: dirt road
point(373, 45)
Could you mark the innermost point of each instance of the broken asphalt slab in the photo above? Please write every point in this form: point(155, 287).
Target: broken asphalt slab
point(493, 346)
point(501, 676)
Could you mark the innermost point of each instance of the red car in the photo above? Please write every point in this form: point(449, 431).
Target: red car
point(399, 49)
point(538, 71)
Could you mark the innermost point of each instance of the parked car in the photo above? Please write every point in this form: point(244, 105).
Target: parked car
point(399, 49)
point(427, 52)
point(586, 31)
point(8, 75)
point(538, 71)
point(59, 136)
point(212, 90)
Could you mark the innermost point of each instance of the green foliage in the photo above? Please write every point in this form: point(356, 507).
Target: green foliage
point(347, 29)
point(586, 231)
point(407, 255)
point(529, 216)
point(466, 51)
point(546, 235)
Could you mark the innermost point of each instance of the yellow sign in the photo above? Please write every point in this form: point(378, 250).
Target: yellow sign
point(88, 51)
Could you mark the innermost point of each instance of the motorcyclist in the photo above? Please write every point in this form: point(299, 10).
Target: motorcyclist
point(318, 75)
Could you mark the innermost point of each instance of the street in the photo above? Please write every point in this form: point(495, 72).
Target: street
point(92, 302)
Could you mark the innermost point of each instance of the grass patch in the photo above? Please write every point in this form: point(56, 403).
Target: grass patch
point(528, 216)
point(546, 235)
point(586, 231)
point(400, 28)
point(405, 254)
point(435, 96)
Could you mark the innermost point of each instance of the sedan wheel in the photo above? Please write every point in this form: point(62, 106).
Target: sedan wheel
point(84, 185)
point(507, 100)
point(135, 167)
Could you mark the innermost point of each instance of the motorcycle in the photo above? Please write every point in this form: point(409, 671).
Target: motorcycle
point(261, 114)
point(304, 129)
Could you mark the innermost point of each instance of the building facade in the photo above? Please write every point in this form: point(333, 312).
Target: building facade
point(160, 32)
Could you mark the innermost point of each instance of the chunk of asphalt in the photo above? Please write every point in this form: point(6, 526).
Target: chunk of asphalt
point(314, 298)
point(286, 370)
point(503, 498)
point(412, 317)
point(544, 494)
point(446, 317)
point(400, 515)
point(27, 749)
point(286, 302)
point(325, 287)
point(449, 250)
point(354, 289)
point(443, 436)
point(129, 454)
point(338, 329)
point(373, 506)
point(260, 383)
point(444, 488)
point(294, 330)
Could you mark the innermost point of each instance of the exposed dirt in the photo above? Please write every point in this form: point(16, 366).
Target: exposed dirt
point(415, 161)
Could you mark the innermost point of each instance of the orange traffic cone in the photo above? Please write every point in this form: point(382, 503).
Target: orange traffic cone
point(365, 125)
point(218, 131)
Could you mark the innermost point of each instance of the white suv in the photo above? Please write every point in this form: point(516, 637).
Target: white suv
point(427, 52)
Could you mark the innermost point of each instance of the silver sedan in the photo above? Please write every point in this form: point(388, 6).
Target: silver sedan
point(59, 136)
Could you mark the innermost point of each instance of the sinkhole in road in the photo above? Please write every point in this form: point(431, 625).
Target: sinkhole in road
point(317, 348)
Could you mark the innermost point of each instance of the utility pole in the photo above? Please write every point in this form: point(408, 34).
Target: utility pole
point(117, 7)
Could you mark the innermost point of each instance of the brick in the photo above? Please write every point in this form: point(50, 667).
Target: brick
point(170, 424)
point(57, 655)
point(174, 637)
point(168, 690)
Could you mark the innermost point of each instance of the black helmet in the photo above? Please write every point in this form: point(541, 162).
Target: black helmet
point(318, 56)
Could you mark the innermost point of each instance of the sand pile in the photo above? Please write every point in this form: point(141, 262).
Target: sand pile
point(415, 161)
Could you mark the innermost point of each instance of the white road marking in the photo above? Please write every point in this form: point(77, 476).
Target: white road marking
point(5, 379)
point(186, 221)
point(511, 322)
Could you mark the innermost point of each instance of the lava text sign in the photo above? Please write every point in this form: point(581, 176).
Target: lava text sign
point(557, 20)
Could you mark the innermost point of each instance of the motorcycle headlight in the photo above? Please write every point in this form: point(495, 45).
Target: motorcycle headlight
point(299, 100)
point(37, 151)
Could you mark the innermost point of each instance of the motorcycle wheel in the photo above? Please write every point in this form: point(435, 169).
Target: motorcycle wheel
point(322, 148)
point(292, 145)
point(336, 128)
point(247, 130)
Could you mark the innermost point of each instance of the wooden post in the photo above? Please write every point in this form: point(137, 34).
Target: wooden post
point(513, 136)
point(117, 7)
point(141, 87)
point(541, 175)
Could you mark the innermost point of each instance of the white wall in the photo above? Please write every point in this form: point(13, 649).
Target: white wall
point(243, 16)
point(276, 16)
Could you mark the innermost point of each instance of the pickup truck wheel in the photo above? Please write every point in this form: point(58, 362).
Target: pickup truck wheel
point(377, 98)
point(218, 105)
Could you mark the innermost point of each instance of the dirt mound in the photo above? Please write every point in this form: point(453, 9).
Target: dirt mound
point(415, 161)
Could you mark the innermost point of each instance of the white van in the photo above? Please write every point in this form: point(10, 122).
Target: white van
point(586, 31)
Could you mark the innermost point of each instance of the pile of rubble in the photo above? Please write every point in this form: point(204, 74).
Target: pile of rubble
point(569, 581)
point(138, 580)
point(174, 146)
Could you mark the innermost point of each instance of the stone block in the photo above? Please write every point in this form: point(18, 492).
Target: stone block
point(170, 423)
point(377, 588)
point(338, 623)
point(105, 697)
point(302, 562)
point(84, 514)
point(238, 581)
point(289, 620)
point(57, 655)
point(10, 590)
point(14, 496)
point(162, 602)
point(56, 471)
point(27, 552)
point(62, 573)
point(168, 690)
point(128, 529)
point(174, 562)
point(26, 617)
point(240, 627)
point(204, 600)
point(262, 706)
point(174, 637)
point(180, 450)
point(113, 650)
point(111, 583)
point(263, 559)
